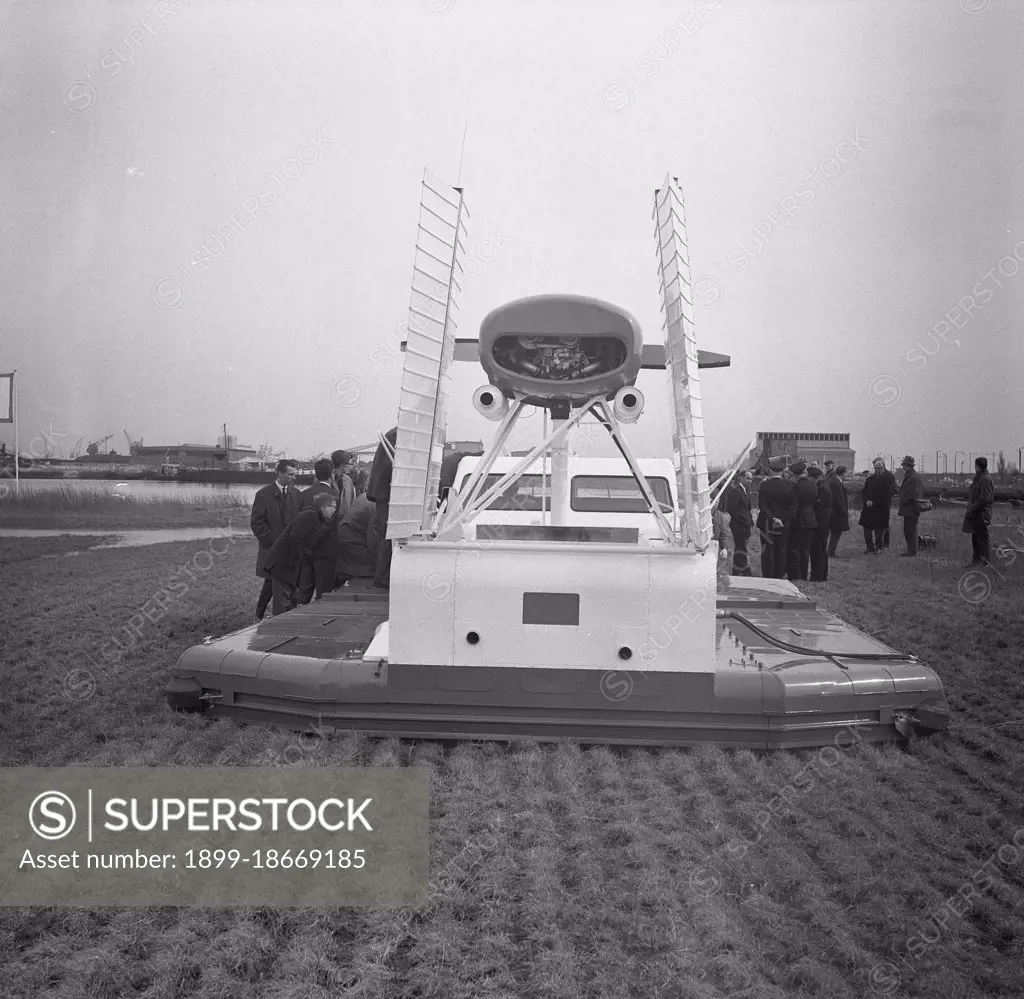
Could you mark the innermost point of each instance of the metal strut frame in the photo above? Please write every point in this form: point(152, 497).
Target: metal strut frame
point(719, 488)
point(451, 517)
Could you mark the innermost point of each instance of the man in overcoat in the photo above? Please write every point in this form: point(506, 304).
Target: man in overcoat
point(840, 509)
point(879, 488)
point(979, 511)
point(344, 462)
point(357, 541)
point(823, 515)
point(741, 522)
point(319, 569)
point(911, 490)
point(273, 508)
point(776, 503)
point(801, 532)
point(378, 490)
point(298, 540)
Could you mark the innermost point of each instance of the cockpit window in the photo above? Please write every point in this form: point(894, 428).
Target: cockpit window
point(616, 494)
point(524, 494)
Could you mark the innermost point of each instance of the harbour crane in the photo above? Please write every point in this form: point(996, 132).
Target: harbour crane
point(94, 447)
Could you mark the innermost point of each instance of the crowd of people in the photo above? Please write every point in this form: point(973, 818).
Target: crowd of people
point(314, 540)
point(803, 511)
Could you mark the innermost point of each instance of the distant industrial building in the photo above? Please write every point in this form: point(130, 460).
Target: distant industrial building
point(194, 455)
point(819, 447)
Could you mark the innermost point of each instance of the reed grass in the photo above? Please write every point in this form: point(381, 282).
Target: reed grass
point(77, 506)
point(78, 497)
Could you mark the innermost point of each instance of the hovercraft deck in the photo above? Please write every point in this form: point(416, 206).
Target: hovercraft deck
point(787, 675)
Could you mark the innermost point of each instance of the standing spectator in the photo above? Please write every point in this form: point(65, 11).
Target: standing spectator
point(776, 503)
point(911, 490)
point(823, 515)
point(874, 517)
point(378, 490)
point(978, 515)
point(343, 462)
point(801, 533)
point(273, 508)
point(840, 509)
point(357, 540)
point(740, 522)
point(300, 537)
point(317, 574)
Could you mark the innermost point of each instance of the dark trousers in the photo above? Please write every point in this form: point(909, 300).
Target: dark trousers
point(317, 576)
point(383, 574)
point(773, 554)
point(819, 555)
point(263, 600)
point(910, 532)
point(833, 542)
point(876, 544)
point(885, 536)
point(740, 558)
point(286, 595)
point(980, 541)
point(798, 561)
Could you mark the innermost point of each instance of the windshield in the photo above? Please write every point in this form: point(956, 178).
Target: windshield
point(616, 494)
point(590, 494)
point(524, 494)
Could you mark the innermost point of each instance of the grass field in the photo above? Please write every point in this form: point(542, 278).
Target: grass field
point(559, 871)
point(84, 507)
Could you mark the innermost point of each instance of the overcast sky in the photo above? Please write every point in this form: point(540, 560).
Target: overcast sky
point(851, 172)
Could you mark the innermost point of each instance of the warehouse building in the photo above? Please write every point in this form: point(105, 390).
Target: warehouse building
point(819, 447)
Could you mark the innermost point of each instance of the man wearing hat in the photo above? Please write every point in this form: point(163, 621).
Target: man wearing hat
point(911, 490)
point(979, 511)
point(801, 533)
point(776, 502)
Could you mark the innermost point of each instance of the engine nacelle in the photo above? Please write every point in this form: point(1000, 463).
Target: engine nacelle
point(560, 349)
point(628, 405)
point(489, 402)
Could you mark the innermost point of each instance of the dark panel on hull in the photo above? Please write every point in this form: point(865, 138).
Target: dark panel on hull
point(551, 608)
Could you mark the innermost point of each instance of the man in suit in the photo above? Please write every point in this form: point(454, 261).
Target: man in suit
point(273, 507)
point(776, 502)
point(740, 522)
point(343, 462)
point(840, 509)
point(911, 490)
point(378, 491)
point(318, 571)
point(879, 488)
point(979, 511)
point(823, 514)
point(801, 531)
point(298, 540)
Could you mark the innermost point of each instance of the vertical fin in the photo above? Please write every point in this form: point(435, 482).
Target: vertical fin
point(681, 360)
point(422, 408)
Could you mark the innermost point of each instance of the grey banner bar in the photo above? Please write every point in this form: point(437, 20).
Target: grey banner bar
point(274, 836)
